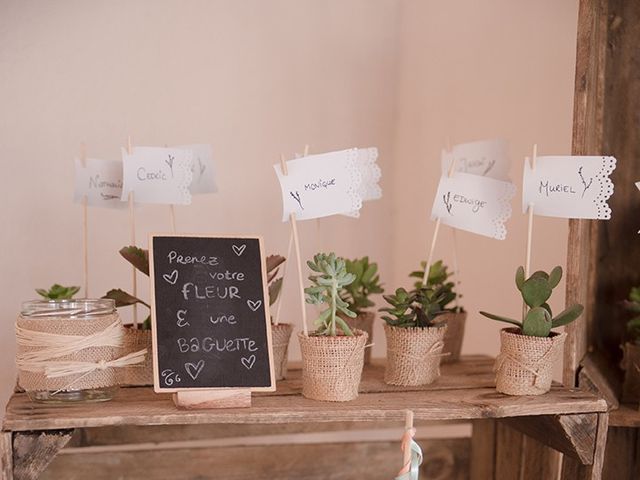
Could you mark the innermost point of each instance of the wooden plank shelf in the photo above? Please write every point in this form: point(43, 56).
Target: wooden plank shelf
point(465, 391)
point(567, 420)
point(627, 415)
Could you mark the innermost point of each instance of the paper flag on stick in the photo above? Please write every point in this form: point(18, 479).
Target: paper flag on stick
point(157, 175)
point(371, 174)
point(487, 158)
point(100, 181)
point(569, 186)
point(477, 204)
point(326, 184)
point(203, 169)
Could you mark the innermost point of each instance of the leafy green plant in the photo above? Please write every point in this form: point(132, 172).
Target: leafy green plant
point(139, 258)
point(274, 284)
point(365, 284)
point(58, 292)
point(538, 320)
point(633, 305)
point(331, 276)
point(439, 279)
point(419, 307)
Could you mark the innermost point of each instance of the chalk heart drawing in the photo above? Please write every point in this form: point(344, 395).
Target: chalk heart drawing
point(254, 305)
point(248, 362)
point(194, 369)
point(239, 249)
point(171, 278)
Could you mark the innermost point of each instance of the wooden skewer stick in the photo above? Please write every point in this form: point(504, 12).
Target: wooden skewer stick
point(454, 244)
point(425, 276)
point(276, 320)
point(406, 453)
point(527, 263)
point(132, 225)
point(527, 268)
point(85, 228)
point(296, 244)
point(172, 211)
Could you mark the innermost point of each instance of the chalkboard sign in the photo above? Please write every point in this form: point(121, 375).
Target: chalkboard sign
point(210, 319)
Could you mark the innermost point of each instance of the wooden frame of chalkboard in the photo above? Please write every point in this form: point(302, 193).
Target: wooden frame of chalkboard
point(200, 341)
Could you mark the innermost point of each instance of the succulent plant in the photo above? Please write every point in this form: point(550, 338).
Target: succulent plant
point(365, 284)
point(419, 307)
point(633, 305)
point(58, 292)
point(438, 278)
point(331, 277)
point(538, 319)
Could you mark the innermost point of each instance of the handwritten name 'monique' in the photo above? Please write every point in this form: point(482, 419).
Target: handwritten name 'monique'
point(320, 184)
point(547, 189)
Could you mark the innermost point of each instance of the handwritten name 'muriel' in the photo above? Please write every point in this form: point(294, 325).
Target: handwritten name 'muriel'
point(547, 189)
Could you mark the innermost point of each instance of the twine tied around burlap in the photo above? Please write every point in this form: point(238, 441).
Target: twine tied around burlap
point(411, 469)
point(525, 363)
point(332, 366)
point(43, 356)
point(413, 355)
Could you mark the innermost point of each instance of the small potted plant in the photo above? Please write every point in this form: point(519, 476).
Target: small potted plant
point(333, 355)
point(529, 350)
point(439, 277)
point(139, 338)
point(280, 332)
point(415, 328)
point(58, 292)
point(357, 295)
point(631, 350)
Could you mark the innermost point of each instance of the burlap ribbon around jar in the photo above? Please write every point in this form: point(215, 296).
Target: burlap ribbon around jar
point(413, 355)
point(525, 363)
point(280, 335)
point(454, 336)
point(140, 374)
point(332, 366)
point(62, 354)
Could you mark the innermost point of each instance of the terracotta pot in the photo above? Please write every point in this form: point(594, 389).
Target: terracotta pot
point(631, 366)
point(141, 374)
point(332, 366)
point(281, 334)
point(413, 355)
point(525, 363)
point(364, 321)
point(454, 336)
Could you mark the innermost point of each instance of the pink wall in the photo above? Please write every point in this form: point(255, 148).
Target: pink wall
point(258, 78)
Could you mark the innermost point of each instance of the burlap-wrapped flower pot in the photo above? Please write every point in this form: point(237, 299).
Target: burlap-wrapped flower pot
point(413, 355)
point(454, 336)
point(280, 334)
point(363, 321)
point(332, 366)
point(631, 367)
point(525, 363)
point(139, 375)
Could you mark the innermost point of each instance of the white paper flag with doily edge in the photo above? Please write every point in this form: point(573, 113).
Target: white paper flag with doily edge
point(569, 186)
point(473, 203)
point(100, 181)
point(157, 175)
point(328, 184)
point(203, 169)
point(487, 158)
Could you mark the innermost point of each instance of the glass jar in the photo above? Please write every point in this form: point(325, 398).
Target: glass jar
point(64, 348)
